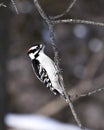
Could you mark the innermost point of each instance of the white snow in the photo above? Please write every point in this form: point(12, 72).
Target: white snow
point(36, 122)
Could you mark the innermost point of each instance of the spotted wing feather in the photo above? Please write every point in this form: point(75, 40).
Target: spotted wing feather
point(42, 76)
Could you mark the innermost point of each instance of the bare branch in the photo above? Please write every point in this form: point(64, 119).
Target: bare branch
point(88, 83)
point(51, 29)
point(56, 58)
point(91, 92)
point(74, 113)
point(86, 86)
point(98, 82)
point(41, 11)
point(83, 87)
point(65, 12)
point(67, 98)
point(15, 7)
point(78, 21)
point(89, 72)
point(2, 5)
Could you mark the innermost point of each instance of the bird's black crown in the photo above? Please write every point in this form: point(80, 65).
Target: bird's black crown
point(35, 48)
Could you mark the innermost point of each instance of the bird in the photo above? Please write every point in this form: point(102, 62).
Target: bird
point(45, 69)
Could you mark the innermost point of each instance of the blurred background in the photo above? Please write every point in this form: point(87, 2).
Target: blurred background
point(82, 61)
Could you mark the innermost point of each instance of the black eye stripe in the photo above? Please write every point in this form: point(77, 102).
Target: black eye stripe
point(31, 51)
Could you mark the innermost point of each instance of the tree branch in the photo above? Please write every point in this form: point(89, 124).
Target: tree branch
point(98, 82)
point(15, 7)
point(41, 11)
point(78, 21)
point(51, 24)
point(91, 92)
point(77, 90)
point(86, 87)
point(65, 12)
point(51, 29)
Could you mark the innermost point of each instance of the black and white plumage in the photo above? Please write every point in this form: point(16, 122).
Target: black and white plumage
point(45, 69)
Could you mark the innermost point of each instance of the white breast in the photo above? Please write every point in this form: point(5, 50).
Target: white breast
point(50, 67)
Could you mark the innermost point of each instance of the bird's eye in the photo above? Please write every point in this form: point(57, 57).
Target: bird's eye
point(37, 47)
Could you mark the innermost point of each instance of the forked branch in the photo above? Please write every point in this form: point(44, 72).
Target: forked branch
point(51, 29)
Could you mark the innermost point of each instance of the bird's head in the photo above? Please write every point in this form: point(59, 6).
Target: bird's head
point(34, 51)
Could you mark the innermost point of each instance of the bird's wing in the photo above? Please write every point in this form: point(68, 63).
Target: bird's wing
point(36, 68)
point(43, 76)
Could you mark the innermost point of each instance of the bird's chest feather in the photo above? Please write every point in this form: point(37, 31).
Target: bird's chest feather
point(48, 65)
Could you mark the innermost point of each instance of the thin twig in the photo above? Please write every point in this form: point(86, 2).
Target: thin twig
point(2, 5)
point(68, 100)
point(91, 92)
point(41, 11)
point(65, 12)
point(78, 21)
point(90, 70)
point(97, 82)
point(51, 29)
point(86, 86)
point(15, 7)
